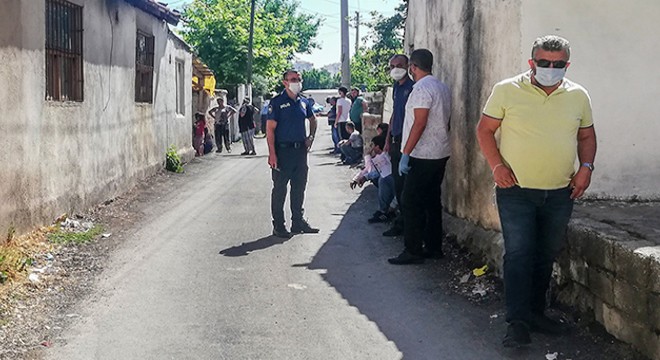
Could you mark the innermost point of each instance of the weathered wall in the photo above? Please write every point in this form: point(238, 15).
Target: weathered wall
point(612, 43)
point(67, 156)
point(475, 44)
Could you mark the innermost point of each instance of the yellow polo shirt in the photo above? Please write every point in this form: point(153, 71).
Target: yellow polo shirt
point(538, 134)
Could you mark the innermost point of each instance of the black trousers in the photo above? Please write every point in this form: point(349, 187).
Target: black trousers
point(292, 165)
point(395, 155)
point(422, 205)
point(222, 132)
point(343, 133)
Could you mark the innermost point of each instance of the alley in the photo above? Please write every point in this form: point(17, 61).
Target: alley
point(202, 279)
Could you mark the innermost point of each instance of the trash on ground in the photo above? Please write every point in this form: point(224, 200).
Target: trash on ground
point(34, 278)
point(106, 235)
point(479, 289)
point(480, 271)
point(552, 356)
point(46, 344)
point(76, 225)
point(494, 316)
point(465, 278)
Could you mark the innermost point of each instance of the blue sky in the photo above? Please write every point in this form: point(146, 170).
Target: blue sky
point(329, 33)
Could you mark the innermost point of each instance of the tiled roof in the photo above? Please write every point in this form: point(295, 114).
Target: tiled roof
point(157, 9)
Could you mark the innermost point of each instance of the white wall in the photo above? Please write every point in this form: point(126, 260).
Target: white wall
point(67, 156)
point(614, 48)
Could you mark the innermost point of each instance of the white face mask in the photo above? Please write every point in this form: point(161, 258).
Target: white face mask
point(295, 87)
point(549, 76)
point(398, 73)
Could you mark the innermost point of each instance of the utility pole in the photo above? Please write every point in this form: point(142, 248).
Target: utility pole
point(345, 48)
point(357, 31)
point(250, 54)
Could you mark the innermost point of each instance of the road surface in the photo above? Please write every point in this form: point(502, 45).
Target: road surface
point(201, 278)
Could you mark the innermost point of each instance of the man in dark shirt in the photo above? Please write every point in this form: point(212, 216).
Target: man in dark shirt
point(402, 87)
point(288, 145)
point(246, 127)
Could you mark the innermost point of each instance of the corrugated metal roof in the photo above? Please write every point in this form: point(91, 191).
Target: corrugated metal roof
point(157, 9)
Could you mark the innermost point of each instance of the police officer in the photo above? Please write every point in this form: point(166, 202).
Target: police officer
point(287, 153)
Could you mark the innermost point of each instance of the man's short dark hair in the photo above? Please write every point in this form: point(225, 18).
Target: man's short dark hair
point(551, 43)
point(350, 124)
point(400, 56)
point(343, 90)
point(290, 71)
point(383, 127)
point(379, 140)
point(423, 59)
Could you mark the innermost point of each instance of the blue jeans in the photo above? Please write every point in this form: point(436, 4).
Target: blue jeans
point(335, 137)
point(386, 193)
point(534, 224)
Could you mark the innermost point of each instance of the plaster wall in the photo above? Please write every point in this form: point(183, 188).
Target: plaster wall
point(475, 43)
point(68, 156)
point(613, 44)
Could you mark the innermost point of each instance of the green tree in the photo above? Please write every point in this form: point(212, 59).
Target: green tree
point(319, 79)
point(218, 30)
point(370, 66)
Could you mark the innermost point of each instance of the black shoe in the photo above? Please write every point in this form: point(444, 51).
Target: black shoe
point(245, 153)
point(433, 254)
point(517, 335)
point(281, 232)
point(218, 151)
point(406, 258)
point(252, 153)
point(228, 150)
point(378, 217)
point(303, 227)
point(393, 232)
point(542, 324)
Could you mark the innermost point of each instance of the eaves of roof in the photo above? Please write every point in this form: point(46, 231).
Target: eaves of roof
point(157, 9)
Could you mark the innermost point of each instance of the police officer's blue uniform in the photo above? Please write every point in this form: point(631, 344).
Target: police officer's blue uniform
point(290, 134)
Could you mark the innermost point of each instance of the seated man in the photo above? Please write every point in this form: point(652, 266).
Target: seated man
point(378, 167)
point(351, 149)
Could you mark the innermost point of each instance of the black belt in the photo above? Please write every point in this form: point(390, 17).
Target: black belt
point(292, 145)
point(396, 139)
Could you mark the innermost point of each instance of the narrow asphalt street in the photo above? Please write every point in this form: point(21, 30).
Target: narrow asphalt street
point(201, 278)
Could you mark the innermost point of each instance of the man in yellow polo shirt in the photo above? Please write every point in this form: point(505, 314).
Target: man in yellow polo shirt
point(545, 125)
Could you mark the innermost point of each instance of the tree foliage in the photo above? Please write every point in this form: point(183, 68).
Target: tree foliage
point(370, 66)
point(218, 30)
point(319, 79)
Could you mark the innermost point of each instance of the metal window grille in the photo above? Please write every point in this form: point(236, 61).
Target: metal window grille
point(144, 67)
point(64, 47)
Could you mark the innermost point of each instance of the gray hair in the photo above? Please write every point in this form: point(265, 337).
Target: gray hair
point(551, 43)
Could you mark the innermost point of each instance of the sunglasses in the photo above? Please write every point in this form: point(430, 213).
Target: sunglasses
point(559, 64)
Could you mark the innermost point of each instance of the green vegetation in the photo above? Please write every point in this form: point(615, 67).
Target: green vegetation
point(219, 31)
point(173, 160)
point(370, 66)
point(320, 79)
point(67, 237)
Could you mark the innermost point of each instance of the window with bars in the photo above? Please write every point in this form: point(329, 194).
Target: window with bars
point(64, 45)
point(144, 67)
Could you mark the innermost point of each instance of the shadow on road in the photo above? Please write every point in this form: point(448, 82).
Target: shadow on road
point(417, 308)
point(246, 248)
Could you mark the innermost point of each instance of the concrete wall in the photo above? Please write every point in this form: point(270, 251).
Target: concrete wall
point(68, 156)
point(477, 43)
point(612, 43)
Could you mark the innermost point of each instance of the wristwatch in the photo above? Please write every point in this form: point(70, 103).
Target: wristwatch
point(589, 166)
